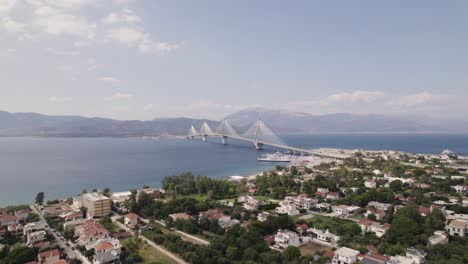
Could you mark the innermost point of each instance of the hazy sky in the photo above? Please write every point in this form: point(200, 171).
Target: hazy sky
point(143, 59)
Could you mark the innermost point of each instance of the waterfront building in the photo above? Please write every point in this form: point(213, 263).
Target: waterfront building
point(97, 204)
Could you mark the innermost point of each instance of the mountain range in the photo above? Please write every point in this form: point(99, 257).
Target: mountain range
point(280, 121)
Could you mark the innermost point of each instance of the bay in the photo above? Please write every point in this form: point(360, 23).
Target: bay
point(63, 167)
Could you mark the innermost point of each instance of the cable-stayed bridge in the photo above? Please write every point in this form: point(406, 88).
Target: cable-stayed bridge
point(258, 133)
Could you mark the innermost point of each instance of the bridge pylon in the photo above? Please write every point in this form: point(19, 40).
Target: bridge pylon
point(225, 130)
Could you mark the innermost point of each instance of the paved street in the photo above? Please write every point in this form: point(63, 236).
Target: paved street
point(71, 253)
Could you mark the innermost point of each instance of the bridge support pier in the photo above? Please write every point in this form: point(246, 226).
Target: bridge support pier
point(224, 139)
point(258, 145)
point(204, 137)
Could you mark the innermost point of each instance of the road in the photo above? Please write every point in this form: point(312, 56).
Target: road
point(71, 253)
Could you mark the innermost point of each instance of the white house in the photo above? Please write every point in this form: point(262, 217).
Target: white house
point(287, 208)
point(345, 255)
point(263, 216)
point(378, 229)
point(460, 188)
point(413, 256)
point(344, 210)
point(458, 227)
point(371, 184)
point(380, 206)
point(131, 220)
point(323, 237)
point(439, 237)
point(36, 236)
point(107, 252)
point(285, 238)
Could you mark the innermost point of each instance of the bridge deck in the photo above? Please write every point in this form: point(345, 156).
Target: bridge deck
point(308, 151)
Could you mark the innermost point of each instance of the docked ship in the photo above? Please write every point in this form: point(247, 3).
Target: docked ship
point(275, 157)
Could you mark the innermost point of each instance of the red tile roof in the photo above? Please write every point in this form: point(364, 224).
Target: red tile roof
point(103, 246)
point(131, 216)
point(48, 254)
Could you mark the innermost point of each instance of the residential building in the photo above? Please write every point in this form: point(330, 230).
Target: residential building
point(263, 216)
point(287, 208)
point(214, 214)
point(324, 237)
point(33, 227)
point(379, 214)
point(97, 204)
point(153, 193)
point(345, 255)
point(301, 228)
point(439, 237)
point(36, 236)
point(374, 227)
point(22, 214)
point(371, 184)
point(374, 259)
point(413, 256)
point(90, 232)
point(179, 216)
point(249, 202)
point(131, 220)
point(380, 206)
point(49, 257)
point(120, 197)
point(458, 227)
point(333, 196)
point(285, 238)
point(7, 219)
point(107, 252)
point(344, 210)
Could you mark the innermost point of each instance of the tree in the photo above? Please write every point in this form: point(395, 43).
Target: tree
point(40, 198)
point(89, 253)
point(106, 191)
point(84, 211)
point(404, 230)
point(291, 253)
point(396, 185)
point(74, 261)
point(19, 255)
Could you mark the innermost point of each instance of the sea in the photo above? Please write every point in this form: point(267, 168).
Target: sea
point(63, 167)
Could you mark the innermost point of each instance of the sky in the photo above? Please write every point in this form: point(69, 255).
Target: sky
point(145, 59)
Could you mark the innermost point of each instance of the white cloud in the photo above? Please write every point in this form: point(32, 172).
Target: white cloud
point(62, 52)
point(148, 107)
point(6, 6)
point(61, 23)
point(11, 26)
point(353, 97)
point(124, 16)
point(57, 99)
point(422, 99)
point(7, 52)
point(118, 96)
point(137, 38)
point(64, 4)
point(81, 44)
point(109, 79)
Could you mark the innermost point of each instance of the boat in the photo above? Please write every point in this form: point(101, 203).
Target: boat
point(275, 157)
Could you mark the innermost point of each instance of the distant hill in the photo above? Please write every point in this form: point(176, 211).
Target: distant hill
point(32, 124)
point(282, 122)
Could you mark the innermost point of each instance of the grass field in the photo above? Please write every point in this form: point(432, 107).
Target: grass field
point(311, 249)
point(198, 197)
point(262, 198)
point(149, 254)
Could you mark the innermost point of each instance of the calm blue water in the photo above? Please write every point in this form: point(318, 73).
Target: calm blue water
point(63, 167)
